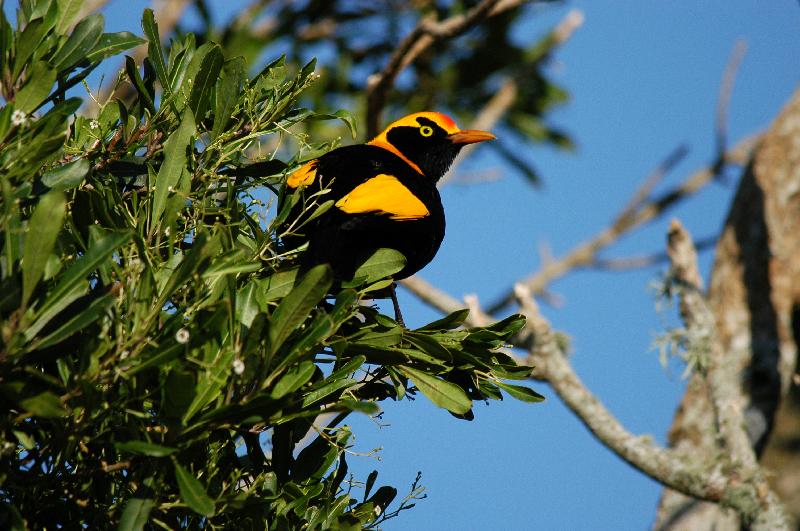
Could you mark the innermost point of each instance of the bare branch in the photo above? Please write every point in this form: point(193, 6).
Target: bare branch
point(639, 262)
point(725, 92)
point(584, 254)
point(426, 32)
point(499, 104)
point(702, 479)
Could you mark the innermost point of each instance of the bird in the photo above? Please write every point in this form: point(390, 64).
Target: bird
point(384, 195)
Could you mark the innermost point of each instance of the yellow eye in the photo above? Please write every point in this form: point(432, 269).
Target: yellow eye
point(426, 130)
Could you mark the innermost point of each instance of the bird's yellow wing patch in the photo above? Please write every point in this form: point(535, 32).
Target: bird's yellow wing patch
point(303, 176)
point(383, 194)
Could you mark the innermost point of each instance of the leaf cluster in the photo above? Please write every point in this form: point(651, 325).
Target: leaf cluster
point(163, 362)
point(354, 40)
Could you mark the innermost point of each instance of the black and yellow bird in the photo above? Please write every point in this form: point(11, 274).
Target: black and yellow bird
point(384, 194)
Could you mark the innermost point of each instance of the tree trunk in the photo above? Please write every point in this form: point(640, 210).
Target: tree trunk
point(755, 295)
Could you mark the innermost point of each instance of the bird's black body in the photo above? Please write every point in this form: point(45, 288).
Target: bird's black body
point(384, 195)
point(345, 240)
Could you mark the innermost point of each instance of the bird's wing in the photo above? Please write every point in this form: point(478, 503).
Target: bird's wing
point(383, 194)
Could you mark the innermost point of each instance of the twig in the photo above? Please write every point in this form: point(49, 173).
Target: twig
point(651, 181)
point(725, 92)
point(424, 34)
point(499, 104)
point(639, 262)
point(584, 254)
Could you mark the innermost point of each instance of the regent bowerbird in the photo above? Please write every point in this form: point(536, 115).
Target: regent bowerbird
point(384, 195)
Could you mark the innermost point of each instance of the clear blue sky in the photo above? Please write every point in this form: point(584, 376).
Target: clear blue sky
point(643, 77)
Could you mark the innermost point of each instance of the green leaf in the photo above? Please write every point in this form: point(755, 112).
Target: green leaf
point(43, 229)
point(210, 383)
point(297, 305)
point(204, 81)
point(227, 93)
point(275, 287)
point(246, 304)
point(448, 322)
point(145, 448)
point(326, 390)
point(343, 115)
point(381, 264)
point(67, 176)
point(27, 43)
point(96, 309)
point(75, 277)
point(112, 44)
point(154, 50)
point(293, 379)
point(444, 394)
point(192, 492)
point(136, 514)
point(84, 38)
point(46, 405)
point(145, 97)
point(174, 164)
point(67, 11)
point(38, 86)
point(526, 394)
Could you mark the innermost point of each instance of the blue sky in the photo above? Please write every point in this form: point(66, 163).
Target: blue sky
point(643, 78)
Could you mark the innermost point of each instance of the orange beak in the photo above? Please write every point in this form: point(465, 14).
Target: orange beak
point(470, 136)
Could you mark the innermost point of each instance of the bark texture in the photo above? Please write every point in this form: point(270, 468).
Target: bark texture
point(754, 292)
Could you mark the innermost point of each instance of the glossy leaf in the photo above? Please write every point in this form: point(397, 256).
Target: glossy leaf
point(192, 492)
point(136, 514)
point(67, 11)
point(442, 393)
point(293, 379)
point(174, 164)
point(46, 405)
point(154, 50)
point(68, 176)
point(111, 44)
point(145, 448)
point(204, 82)
point(75, 276)
point(43, 229)
point(228, 87)
point(40, 82)
point(381, 264)
point(296, 306)
point(77, 322)
point(81, 41)
point(526, 394)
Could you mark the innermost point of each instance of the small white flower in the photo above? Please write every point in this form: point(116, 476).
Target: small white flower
point(182, 336)
point(170, 189)
point(18, 118)
point(94, 124)
point(238, 366)
point(166, 231)
point(124, 354)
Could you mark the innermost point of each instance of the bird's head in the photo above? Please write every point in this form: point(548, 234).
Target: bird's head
point(428, 141)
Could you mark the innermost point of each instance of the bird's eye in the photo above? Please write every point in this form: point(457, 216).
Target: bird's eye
point(426, 130)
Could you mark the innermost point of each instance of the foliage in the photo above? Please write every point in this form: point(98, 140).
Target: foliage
point(154, 334)
point(356, 39)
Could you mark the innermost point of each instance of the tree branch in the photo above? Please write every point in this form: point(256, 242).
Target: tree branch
point(584, 254)
point(425, 33)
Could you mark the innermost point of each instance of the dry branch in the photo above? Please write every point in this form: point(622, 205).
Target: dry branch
point(584, 254)
point(424, 34)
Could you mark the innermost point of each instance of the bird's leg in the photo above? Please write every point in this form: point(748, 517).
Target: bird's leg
point(398, 315)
